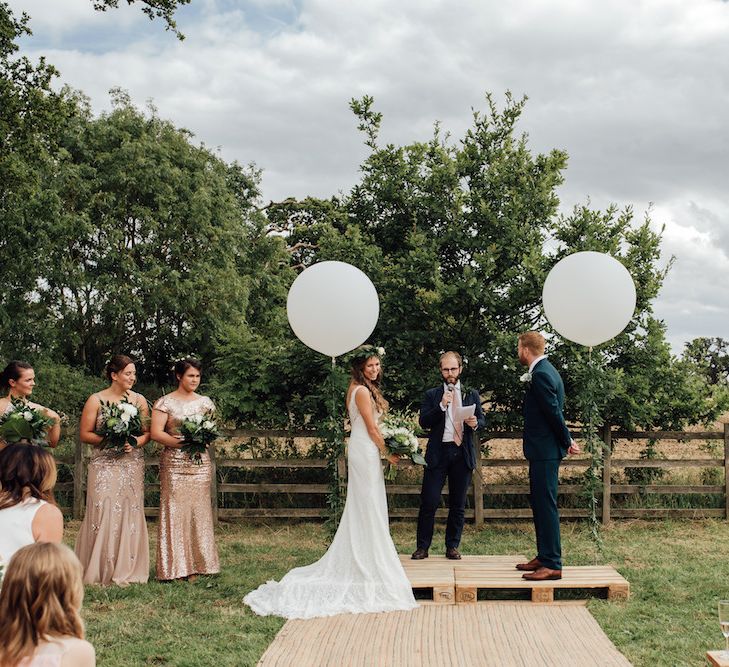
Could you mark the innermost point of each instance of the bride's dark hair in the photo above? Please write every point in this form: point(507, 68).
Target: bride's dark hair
point(358, 377)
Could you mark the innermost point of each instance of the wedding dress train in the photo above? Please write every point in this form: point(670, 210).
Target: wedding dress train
point(361, 571)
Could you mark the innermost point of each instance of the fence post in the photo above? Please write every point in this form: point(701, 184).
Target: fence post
point(478, 487)
point(79, 476)
point(726, 471)
point(607, 439)
point(213, 483)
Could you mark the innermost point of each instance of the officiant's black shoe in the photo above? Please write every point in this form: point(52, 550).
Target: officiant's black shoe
point(453, 554)
point(533, 565)
point(419, 554)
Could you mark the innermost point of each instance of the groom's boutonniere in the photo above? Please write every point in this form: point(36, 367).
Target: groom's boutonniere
point(527, 377)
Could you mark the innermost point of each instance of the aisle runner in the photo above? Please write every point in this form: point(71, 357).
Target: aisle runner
point(507, 634)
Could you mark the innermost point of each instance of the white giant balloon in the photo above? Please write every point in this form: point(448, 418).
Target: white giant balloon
point(333, 307)
point(589, 297)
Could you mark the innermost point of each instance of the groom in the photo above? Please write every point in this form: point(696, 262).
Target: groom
point(450, 454)
point(546, 442)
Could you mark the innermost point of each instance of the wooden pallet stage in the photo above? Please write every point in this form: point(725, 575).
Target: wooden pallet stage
point(490, 634)
point(437, 574)
point(458, 582)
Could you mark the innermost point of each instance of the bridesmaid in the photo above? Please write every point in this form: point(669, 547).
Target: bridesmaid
point(113, 543)
point(18, 379)
point(186, 539)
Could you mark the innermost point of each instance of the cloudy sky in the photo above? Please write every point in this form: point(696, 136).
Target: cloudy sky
point(636, 92)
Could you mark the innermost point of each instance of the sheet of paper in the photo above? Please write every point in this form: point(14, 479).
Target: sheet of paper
point(463, 413)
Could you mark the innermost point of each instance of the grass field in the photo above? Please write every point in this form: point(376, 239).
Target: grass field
point(678, 570)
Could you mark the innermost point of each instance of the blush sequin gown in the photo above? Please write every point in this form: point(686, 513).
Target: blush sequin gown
point(361, 572)
point(185, 537)
point(113, 543)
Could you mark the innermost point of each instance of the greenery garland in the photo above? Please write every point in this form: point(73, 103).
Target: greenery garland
point(332, 435)
point(593, 387)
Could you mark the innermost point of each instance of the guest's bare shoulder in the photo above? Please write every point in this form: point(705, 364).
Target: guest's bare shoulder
point(79, 653)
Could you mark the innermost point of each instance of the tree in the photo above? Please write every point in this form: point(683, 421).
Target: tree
point(710, 356)
point(146, 250)
point(460, 229)
point(31, 118)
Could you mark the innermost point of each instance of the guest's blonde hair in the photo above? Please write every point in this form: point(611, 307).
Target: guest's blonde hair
point(41, 597)
point(533, 341)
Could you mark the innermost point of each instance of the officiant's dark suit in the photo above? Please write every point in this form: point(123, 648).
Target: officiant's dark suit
point(546, 442)
point(447, 458)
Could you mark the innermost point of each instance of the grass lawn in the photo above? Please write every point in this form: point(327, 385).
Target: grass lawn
point(678, 570)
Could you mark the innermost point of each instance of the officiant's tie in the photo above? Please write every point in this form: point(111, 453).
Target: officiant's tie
point(457, 425)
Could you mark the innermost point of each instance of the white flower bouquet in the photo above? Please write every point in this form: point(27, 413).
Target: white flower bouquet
point(24, 423)
point(198, 431)
point(121, 424)
point(399, 432)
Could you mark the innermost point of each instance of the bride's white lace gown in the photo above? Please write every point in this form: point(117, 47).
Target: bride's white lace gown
point(361, 572)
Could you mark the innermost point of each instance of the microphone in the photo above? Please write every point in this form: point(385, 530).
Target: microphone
point(451, 388)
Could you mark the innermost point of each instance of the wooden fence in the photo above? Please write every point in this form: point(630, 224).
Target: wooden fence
point(481, 492)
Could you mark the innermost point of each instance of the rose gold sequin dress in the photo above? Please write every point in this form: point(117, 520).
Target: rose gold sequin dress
point(186, 539)
point(113, 543)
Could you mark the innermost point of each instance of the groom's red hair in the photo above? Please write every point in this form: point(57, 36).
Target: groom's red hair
point(533, 341)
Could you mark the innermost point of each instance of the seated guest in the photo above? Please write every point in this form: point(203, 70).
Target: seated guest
point(40, 601)
point(28, 512)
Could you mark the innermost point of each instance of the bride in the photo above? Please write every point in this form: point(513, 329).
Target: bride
point(361, 572)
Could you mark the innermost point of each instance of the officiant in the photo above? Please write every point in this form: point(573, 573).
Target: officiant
point(452, 413)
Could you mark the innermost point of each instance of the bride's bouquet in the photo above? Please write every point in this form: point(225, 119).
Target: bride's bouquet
point(121, 423)
point(24, 423)
point(198, 431)
point(399, 432)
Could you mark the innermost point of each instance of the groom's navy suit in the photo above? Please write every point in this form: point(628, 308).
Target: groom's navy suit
point(546, 441)
point(456, 462)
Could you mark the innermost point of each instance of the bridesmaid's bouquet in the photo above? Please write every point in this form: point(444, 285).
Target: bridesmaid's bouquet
point(399, 432)
point(121, 423)
point(24, 423)
point(198, 431)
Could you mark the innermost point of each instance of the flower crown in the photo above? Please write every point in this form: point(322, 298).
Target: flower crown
point(364, 352)
point(184, 357)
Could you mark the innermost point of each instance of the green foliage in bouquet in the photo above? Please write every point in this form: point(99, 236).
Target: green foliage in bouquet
point(23, 423)
point(198, 432)
point(121, 424)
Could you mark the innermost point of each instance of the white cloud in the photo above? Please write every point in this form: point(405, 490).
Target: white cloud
point(636, 91)
point(695, 298)
point(60, 18)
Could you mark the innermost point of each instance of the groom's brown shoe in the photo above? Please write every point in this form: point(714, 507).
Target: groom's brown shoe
point(532, 565)
point(453, 554)
point(419, 554)
point(542, 574)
